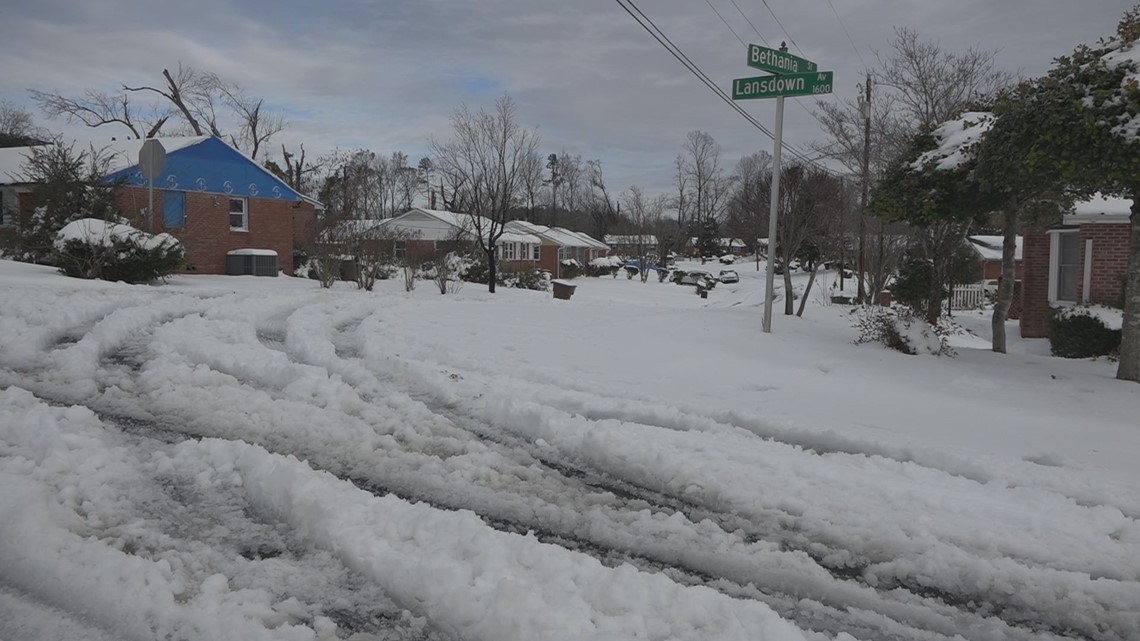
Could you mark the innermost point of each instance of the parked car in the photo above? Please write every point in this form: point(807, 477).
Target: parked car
point(729, 276)
point(696, 277)
point(728, 259)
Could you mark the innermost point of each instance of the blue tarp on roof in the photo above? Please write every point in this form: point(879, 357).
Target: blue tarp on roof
point(215, 167)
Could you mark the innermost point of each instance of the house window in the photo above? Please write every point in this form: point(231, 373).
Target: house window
point(4, 222)
point(400, 248)
point(1068, 265)
point(535, 252)
point(509, 251)
point(239, 214)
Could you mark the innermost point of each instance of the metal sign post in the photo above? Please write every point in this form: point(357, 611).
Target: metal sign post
point(152, 160)
point(773, 210)
point(794, 76)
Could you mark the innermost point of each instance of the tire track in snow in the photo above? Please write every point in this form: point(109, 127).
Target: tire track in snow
point(974, 601)
point(440, 494)
point(604, 482)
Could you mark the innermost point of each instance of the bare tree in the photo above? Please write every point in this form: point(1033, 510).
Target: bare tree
point(485, 163)
point(602, 207)
point(810, 200)
point(932, 85)
point(748, 206)
point(705, 175)
point(681, 201)
point(18, 128)
point(188, 96)
point(532, 183)
point(644, 214)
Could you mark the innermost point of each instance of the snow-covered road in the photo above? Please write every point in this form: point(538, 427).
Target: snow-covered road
point(299, 464)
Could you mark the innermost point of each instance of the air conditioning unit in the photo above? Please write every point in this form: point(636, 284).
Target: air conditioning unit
point(251, 262)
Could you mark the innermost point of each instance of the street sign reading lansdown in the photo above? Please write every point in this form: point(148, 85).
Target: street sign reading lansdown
point(777, 61)
point(786, 85)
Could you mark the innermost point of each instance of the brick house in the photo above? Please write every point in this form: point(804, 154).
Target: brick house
point(632, 244)
point(432, 231)
point(988, 249)
point(213, 198)
point(1083, 260)
point(558, 245)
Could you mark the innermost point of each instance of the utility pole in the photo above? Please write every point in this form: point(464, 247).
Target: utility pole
point(865, 107)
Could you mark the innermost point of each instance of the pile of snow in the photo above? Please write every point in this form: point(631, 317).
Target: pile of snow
point(102, 233)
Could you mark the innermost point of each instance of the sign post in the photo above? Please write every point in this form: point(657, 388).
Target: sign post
point(793, 76)
point(152, 160)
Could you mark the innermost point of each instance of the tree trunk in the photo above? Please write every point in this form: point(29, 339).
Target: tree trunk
point(789, 295)
point(934, 297)
point(807, 290)
point(492, 269)
point(1005, 285)
point(1129, 368)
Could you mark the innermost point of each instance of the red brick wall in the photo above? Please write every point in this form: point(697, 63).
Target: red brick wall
point(1034, 284)
point(207, 235)
point(991, 269)
point(1109, 261)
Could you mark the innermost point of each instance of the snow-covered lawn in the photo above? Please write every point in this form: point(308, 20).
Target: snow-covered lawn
point(253, 458)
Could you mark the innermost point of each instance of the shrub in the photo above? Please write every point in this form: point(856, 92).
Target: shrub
point(1081, 332)
point(92, 248)
point(899, 329)
point(571, 268)
point(534, 279)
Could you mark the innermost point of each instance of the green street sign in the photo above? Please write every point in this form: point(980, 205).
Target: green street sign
point(777, 61)
point(792, 84)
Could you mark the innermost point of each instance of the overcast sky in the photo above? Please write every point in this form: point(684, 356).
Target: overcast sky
point(386, 75)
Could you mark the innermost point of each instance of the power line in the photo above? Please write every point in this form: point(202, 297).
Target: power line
point(650, 27)
point(789, 36)
point(710, 4)
point(847, 33)
point(749, 21)
point(761, 36)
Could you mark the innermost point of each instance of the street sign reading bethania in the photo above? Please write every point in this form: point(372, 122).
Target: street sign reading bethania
point(777, 61)
point(787, 85)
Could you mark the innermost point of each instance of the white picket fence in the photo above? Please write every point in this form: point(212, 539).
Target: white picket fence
point(969, 296)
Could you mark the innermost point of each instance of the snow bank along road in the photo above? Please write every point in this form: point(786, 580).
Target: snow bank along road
point(204, 465)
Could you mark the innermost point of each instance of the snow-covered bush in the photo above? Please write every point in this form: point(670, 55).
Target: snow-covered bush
point(901, 330)
point(604, 266)
point(571, 268)
point(1085, 331)
point(535, 279)
point(93, 248)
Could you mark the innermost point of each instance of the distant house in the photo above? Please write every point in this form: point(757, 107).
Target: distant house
point(989, 249)
point(217, 201)
point(1083, 260)
point(431, 231)
point(560, 245)
point(631, 244)
point(734, 246)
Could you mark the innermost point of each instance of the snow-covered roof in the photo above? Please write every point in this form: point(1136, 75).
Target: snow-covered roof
point(557, 235)
point(590, 240)
point(631, 239)
point(956, 139)
point(1100, 208)
point(989, 247)
point(121, 153)
point(467, 223)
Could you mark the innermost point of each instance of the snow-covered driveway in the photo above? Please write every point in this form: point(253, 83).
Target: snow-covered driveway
point(194, 463)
